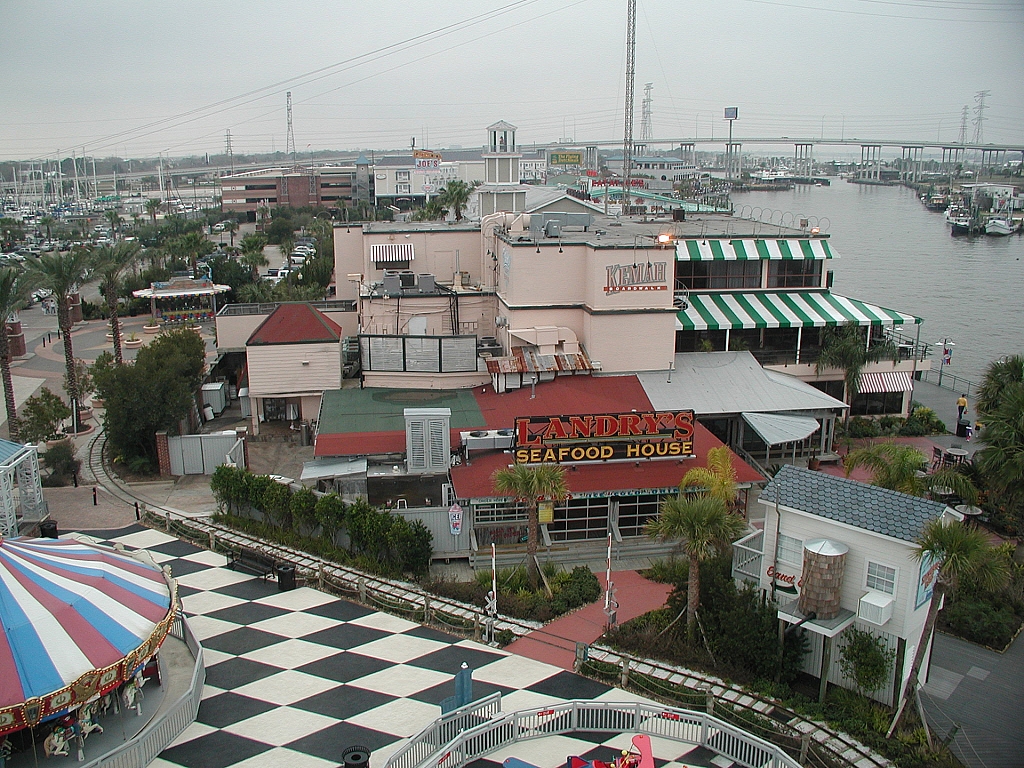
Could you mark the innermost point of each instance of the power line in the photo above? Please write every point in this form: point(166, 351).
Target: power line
point(979, 119)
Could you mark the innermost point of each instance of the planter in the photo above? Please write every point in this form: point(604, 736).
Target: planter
point(133, 344)
point(96, 402)
point(151, 328)
point(57, 441)
point(84, 413)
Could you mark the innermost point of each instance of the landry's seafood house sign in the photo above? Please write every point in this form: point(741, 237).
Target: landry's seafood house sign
point(604, 437)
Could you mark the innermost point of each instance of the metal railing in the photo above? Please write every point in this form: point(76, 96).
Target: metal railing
point(679, 725)
point(443, 730)
point(143, 748)
point(949, 381)
point(747, 554)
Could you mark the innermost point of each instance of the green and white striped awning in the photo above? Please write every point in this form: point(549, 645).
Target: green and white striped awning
point(721, 311)
point(711, 249)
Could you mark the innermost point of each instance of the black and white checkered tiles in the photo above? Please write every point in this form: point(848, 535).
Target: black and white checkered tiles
point(293, 678)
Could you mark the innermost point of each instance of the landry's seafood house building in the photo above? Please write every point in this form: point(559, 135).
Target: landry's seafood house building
point(421, 452)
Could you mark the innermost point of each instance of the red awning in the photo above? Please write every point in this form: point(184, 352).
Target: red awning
point(894, 381)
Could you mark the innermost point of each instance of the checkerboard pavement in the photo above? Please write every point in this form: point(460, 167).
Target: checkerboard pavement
point(293, 678)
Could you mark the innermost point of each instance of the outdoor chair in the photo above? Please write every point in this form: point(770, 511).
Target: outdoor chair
point(937, 457)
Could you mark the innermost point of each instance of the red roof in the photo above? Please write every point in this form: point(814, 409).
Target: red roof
point(473, 480)
point(295, 324)
point(565, 396)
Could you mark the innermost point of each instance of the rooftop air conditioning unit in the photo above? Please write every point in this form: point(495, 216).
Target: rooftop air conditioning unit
point(875, 608)
point(408, 278)
point(392, 284)
point(426, 283)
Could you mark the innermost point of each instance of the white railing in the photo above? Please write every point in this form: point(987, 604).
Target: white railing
point(747, 554)
point(680, 725)
point(444, 729)
point(143, 748)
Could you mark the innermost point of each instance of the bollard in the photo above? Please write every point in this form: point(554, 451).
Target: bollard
point(426, 609)
point(624, 675)
point(213, 541)
point(137, 515)
point(322, 574)
point(362, 589)
point(709, 701)
point(167, 521)
point(476, 627)
point(95, 502)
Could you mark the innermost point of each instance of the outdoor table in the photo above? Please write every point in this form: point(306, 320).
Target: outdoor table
point(956, 455)
point(941, 491)
point(970, 512)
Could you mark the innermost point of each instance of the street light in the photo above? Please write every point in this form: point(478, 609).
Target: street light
point(947, 345)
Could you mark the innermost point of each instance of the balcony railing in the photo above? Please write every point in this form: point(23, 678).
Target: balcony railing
point(747, 555)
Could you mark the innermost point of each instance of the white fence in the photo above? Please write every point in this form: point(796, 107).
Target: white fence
point(443, 730)
point(201, 454)
point(680, 725)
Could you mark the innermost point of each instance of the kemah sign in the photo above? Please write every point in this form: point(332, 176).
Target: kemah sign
point(604, 437)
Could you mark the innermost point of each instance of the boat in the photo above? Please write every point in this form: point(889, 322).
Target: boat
point(936, 202)
point(960, 220)
point(1001, 225)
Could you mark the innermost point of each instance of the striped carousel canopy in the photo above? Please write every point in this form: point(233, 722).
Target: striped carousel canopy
point(77, 621)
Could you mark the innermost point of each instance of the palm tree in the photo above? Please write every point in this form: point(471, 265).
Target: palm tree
point(455, 196)
point(190, 246)
point(111, 263)
point(252, 253)
point(959, 554)
point(1001, 376)
point(706, 528)
point(62, 273)
point(896, 466)
point(47, 222)
point(717, 479)
point(846, 347)
point(152, 208)
point(1001, 461)
point(231, 226)
point(114, 220)
point(432, 211)
point(15, 287)
point(531, 485)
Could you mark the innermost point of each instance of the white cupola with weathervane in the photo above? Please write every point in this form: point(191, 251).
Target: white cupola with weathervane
point(501, 190)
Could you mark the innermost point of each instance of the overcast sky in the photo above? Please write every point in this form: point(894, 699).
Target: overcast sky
point(139, 77)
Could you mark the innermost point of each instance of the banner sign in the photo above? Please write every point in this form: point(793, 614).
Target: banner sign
point(642, 183)
point(926, 575)
point(603, 437)
point(455, 519)
point(565, 158)
point(427, 159)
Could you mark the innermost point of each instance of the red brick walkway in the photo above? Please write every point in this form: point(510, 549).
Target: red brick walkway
point(556, 642)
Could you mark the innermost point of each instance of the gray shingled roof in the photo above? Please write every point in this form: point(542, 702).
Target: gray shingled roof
point(880, 510)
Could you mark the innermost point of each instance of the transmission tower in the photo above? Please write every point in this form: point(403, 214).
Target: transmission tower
point(289, 144)
point(627, 137)
point(979, 111)
point(646, 129)
point(962, 138)
point(228, 151)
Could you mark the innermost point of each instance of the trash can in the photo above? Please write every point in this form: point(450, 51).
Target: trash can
point(48, 529)
point(356, 757)
point(304, 435)
point(285, 577)
point(962, 426)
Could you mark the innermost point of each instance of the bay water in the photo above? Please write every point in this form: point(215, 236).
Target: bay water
point(896, 253)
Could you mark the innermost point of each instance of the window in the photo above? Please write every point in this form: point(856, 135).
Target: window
point(881, 578)
point(800, 273)
point(401, 175)
point(790, 550)
point(403, 189)
point(877, 403)
point(698, 275)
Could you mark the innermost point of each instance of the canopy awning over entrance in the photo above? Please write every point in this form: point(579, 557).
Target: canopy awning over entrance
point(753, 250)
point(890, 381)
point(779, 428)
point(731, 311)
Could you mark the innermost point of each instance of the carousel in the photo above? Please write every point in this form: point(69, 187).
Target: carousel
point(182, 301)
point(82, 627)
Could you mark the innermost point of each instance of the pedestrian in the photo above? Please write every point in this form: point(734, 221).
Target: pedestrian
point(961, 406)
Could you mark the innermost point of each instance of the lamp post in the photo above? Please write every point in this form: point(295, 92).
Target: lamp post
point(947, 345)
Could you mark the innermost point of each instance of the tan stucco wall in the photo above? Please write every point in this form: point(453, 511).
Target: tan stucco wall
point(623, 343)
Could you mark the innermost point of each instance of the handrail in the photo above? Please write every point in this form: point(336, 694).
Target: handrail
point(443, 730)
point(143, 748)
point(680, 725)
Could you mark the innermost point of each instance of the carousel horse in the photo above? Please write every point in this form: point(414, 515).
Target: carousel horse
point(6, 748)
point(57, 742)
point(104, 704)
point(87, 719)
